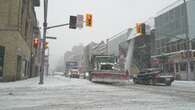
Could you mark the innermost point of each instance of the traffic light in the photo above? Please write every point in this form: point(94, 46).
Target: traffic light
point(138, 27)
point(36, 43)
point(73, 22)
point(141, 28)
point(89, 19)
point(46, 44)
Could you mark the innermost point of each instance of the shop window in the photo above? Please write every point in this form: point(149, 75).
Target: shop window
point(177, 67)
point(165, 68)
point(193, 54)
point(183, 66)
point(192, 64)
point(171, 68)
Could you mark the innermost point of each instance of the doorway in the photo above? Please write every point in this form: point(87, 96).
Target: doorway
point(2, 52)
point(19, 67)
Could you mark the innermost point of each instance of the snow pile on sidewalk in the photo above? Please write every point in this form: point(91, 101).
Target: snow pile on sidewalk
point(49, 81)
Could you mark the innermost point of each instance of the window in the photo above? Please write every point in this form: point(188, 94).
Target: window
point(193, 54)
point(173, 47)
point(177, 67)
point(168, 49)
point(23, 6)
point(106, 67)
point(183, 10)
point(171, 68)
point(192, 64)
point(26, 29)
point(183, 66)
point(185, 46)
point(178, 46)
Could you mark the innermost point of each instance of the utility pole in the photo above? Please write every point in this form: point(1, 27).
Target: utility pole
point(45, 28)
point(43, 41)
point(189, 47)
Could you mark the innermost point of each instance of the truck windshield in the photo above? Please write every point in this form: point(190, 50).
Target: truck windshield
point(106, 67)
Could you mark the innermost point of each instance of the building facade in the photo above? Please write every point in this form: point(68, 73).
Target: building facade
point(174, 25)
point(114, 42)
point(18, 27)
point(138, 51)
point(87, 53)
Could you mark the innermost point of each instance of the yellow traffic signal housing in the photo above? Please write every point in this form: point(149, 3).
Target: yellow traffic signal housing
point(46, 44)
point(89, 20)
point(138, 27)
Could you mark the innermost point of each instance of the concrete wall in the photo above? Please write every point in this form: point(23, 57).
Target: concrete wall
point(14, 45)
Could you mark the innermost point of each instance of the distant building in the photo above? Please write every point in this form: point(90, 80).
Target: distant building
point(18, 27)
point(75, 55)
point(138, 50)
point(114, 41)
point(132, 49)
point(117, 45)
point(87, 53)
point(100, 49)
point(172, 25)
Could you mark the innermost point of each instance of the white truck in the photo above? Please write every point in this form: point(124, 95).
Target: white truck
point(105, 69)
point(72, 69)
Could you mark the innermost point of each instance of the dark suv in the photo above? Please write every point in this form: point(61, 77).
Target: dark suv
point(153, 76)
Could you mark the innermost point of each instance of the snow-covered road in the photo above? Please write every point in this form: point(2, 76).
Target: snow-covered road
point(60, 93)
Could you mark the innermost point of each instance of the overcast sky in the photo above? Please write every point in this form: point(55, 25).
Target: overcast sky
point(109, 18)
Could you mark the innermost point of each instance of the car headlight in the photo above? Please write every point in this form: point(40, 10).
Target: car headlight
point(87, 74)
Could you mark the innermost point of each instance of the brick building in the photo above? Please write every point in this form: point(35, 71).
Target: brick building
point(18, 27)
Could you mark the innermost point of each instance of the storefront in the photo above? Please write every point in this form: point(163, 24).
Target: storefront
point(175, 63)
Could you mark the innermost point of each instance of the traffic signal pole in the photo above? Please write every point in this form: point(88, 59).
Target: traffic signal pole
point(43, 41)
point(60, 25)
point(72, 25)
point(45, 28)
point(189, 47)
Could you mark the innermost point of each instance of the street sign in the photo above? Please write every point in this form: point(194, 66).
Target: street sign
point(50, 37)
point(80, 21)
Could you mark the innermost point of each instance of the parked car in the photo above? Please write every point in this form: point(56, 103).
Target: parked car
point(153, 76)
